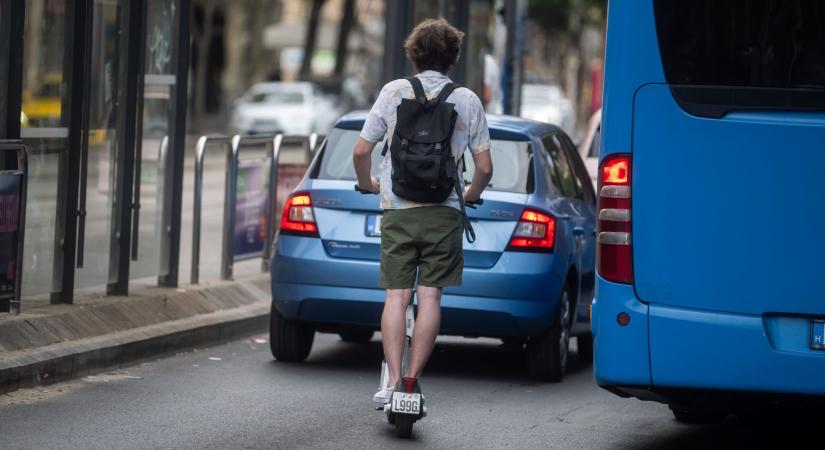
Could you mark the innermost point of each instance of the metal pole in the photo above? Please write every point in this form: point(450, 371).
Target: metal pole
point(272, 205)
point(200, 150)
point(512, 58)
point(196, 209)
point(230, 194)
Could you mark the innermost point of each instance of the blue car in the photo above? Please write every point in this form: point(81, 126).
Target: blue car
point(528, 278)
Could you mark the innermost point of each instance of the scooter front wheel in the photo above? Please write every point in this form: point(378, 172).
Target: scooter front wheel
point(404, 425)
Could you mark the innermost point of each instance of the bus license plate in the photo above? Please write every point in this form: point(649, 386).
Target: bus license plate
point(403, 403)
point(818, 334)
point(374, 225)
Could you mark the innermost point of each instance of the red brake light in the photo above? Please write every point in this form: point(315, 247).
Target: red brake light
point(408, 385)
point(615, 248)
point(298, 217)
point(534, 232)
point(616, 170)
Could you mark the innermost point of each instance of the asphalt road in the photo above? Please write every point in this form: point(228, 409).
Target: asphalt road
point(236, 396)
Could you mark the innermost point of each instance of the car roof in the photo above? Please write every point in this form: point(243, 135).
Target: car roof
point(508, 128)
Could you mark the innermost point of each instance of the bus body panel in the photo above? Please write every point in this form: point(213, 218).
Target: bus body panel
point(728, 213)
point(696, 349)
point(631, 60)
point(621, 356)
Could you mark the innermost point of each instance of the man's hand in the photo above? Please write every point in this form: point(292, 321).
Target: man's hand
point(373, 187)
point(470, 196)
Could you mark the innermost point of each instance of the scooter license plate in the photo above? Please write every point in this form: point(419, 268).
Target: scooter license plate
point(403, 403)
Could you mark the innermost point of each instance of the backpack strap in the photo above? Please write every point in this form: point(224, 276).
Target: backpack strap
point(418, 88)
point(445, 92)
point(468, 227)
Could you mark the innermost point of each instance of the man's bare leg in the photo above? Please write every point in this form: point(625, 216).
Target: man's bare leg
point(393, 328)
point(427, 323)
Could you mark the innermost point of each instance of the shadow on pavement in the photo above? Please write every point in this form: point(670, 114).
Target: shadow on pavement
point(482, 359)
point(770, 429)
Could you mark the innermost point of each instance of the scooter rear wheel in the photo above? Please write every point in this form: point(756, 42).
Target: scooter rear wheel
point(404, 426)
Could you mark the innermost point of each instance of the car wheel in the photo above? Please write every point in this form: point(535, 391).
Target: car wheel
point(289, 340)
point(585, 344)
point(356, 335)
point(547, 354)
point(697, 416)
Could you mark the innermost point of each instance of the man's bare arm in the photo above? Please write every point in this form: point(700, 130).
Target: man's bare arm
point(362, 160)
point(481, 178)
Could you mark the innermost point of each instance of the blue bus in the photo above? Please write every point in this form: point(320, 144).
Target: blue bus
point(711, 236)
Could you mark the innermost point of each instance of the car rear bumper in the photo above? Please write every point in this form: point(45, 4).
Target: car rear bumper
point(667, 348)
point(313, 287)
point(460, 315)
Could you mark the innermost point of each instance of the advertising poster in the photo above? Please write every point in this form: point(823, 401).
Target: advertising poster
point(10, 186)
point(250, 208)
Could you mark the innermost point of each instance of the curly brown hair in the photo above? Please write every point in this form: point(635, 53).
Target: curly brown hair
point(434, 44)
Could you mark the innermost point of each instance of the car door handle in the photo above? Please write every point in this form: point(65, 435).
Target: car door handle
point(578, 231)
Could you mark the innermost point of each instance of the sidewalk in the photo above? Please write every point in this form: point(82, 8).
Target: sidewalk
point(51, 343)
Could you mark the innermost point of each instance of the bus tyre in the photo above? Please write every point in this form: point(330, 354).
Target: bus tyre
point(356, 335)
point(547, 354)
point(697, 416)
point(289, 340)
point(585, 345)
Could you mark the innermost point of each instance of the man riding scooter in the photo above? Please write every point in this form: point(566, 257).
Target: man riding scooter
point(429, 123)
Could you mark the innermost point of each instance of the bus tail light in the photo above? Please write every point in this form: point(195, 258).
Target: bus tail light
point(615, 246)
point(298, 218)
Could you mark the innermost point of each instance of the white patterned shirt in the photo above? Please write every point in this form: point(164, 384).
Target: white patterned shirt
point(470, 128)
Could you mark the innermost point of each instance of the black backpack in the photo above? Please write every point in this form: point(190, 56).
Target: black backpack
point(423, 167)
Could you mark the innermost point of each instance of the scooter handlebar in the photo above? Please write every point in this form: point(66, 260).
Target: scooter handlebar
point(364, 192)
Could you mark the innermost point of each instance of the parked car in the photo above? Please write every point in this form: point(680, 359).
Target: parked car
point(589, 147)
point(282, 107)
point(546, 103)
point(528, 277)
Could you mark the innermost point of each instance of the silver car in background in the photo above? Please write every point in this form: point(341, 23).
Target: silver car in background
point(547, 103)
point(289, 107)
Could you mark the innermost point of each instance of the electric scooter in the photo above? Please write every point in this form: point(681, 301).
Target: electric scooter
point(407, 404)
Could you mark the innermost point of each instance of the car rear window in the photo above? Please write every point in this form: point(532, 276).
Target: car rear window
point(750, 53)
point(511, 161)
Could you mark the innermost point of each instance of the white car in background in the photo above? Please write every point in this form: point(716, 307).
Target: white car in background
point(289, 107)
point(589, 147)
point(546, 103)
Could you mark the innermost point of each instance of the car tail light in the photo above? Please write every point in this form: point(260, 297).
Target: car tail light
point(534, 232)
point(298, 218)
point(615, 247)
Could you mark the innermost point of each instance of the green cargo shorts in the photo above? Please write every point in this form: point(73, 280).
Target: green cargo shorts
point(427, 238)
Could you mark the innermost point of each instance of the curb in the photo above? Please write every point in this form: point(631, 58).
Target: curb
point(73, 359)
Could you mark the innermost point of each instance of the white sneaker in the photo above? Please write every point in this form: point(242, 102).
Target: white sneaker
point(383, 396)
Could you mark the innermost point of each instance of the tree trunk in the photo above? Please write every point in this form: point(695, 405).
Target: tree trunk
point(347, 22)
point(311, 37)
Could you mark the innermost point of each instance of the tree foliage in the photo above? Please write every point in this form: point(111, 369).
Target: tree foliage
point(556, 16)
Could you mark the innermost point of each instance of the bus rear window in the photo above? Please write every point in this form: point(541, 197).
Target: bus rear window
point(743, 54)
